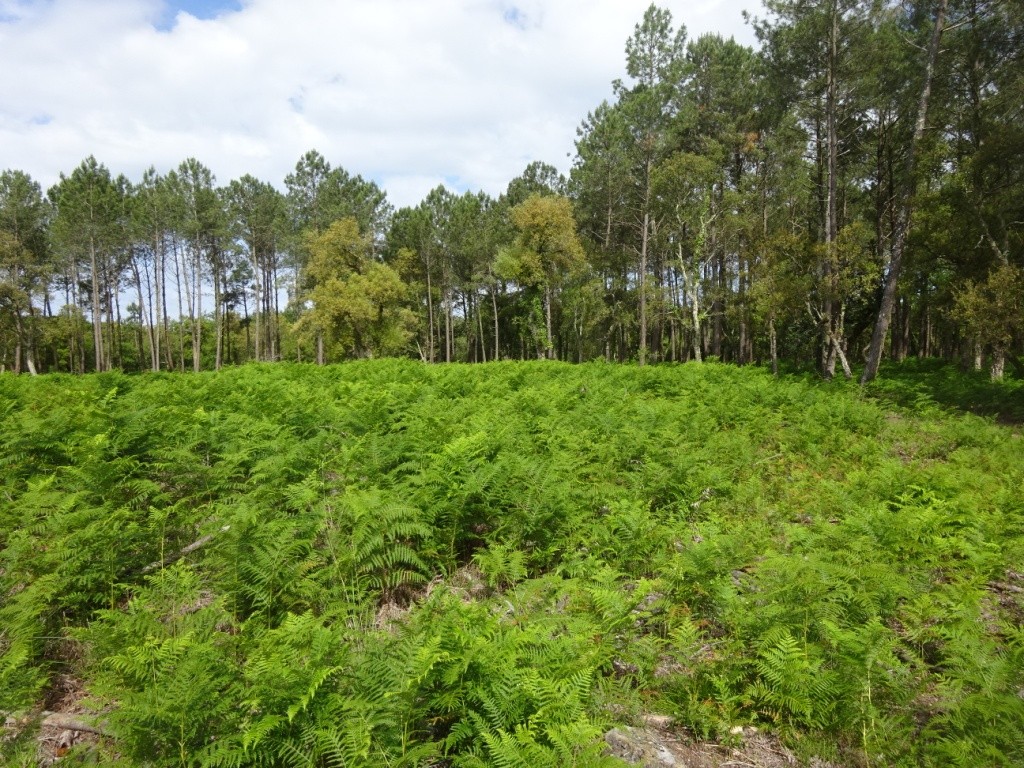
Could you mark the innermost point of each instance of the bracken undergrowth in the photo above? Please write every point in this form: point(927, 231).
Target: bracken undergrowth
point(401, 564)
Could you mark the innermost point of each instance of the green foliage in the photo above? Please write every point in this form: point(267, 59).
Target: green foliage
point(357, 301)
point(386, 563)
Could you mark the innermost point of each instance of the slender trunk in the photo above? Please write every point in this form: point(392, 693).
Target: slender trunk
point(97, 329)
point(30, 343)
point(842, 358)
point(197, 318)
point(480, 323)
point(164, 311)
point(430, 316)
point(266, 315)
point(690, 286)
point(137, 274)
point(905, 331)
point(179, 270)
point(741, 357)
point(467, 314)
point(718, 304)
point(256, 320)
point(248, 325)
point(151, 331)
point(831, 208)
point(77, 325)
point(903, 222)
point(773, 345)
point(998, 363)
point(218, 317)
point(923, 345)
point(18, 332)
point(643, 279)
point(549, 345)
point(494, 307)
point(114, 356)
point(277, 312)
point(447, 302)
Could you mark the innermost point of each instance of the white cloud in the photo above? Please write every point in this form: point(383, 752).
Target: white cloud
point(407, 92)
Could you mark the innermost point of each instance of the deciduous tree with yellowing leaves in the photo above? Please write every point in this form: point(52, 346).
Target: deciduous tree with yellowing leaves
point(358, 302)
point(545, 253)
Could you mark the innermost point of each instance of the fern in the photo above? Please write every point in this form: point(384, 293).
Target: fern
point(791, 687)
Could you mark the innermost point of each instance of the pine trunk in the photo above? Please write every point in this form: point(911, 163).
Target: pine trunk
point(903, 221)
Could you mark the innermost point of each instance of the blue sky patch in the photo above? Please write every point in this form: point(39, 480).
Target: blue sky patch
point(201, 9)
point(515, 16)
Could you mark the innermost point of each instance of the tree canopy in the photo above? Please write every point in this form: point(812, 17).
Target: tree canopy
point(840, 193)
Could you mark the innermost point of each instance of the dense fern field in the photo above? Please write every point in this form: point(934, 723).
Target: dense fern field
point(386, 564)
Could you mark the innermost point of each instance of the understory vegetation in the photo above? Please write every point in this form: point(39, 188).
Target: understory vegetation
point(385, 563)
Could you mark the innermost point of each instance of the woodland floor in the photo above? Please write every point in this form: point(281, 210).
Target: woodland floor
point(385, 563)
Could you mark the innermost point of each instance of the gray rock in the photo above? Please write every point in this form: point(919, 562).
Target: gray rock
point(641, 746)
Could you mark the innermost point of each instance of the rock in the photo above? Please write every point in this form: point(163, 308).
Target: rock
point(660, 722)
point(744, 732)
point(641, 746)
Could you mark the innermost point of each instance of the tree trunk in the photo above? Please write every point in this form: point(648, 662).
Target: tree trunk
point(494, 306)
point(643, 269)
point(430, 316)
point(142, 311)
point(690, 286)
point(218, 319)
point(998, 363)
point(277, 311)
point(903, 221)
point(480, 324)
point(549, 343)
point(197, 316)
point(18, 333)
point(97, 329)
point(448, 333)
point(832, 182)
point(741, 355)
point(115, 356)
point(178, 277)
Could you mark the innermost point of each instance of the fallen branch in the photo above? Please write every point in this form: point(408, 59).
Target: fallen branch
point(200, 542)
point(999, 586)
point(63, 722)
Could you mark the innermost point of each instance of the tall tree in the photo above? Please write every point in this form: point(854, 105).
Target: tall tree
point(85, 229)
point(319, 195)
point(546, 251)
point(600, 187)
point(685, 189)
point(817, 53)
point(257, 212)
point(152, 213)
point(654, 56)
point(24, 258)
point(357, 301)
point(899, 243)
point(201, 227)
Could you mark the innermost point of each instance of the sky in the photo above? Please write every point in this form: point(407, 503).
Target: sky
point(408, 93)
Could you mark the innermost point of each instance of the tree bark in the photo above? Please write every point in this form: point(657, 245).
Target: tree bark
point(832, 181)
point(998, 363)
point(97, 329)
point(196, 316)
point(643, 269)
point(494, 306)
point(903, 222)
